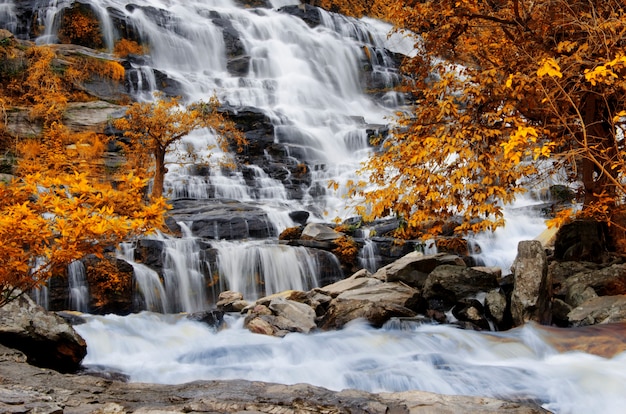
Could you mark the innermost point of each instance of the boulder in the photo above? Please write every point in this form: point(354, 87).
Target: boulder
point(495, 306)
point(46, 339)
point(320, 232)
point(599, 310)
point(532, 289)
point(451, 283)
point(579, 293)
point(358, 280)
point(376, 303)
point(229, 301)
point(221, 219)
point(413, 268)
point(279, 316)
point(213, 318)
point(559, 272)
point(606, 281)
point(581, 240)
point(309, 14)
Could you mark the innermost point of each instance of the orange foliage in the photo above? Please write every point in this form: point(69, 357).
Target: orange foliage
point(525, 90)
point(155, 128)
point(105, 278)
point(80, 27)
point(56, 212)
point(346, 250)
point(43, 87)
point(355, 8)
point(125, 47)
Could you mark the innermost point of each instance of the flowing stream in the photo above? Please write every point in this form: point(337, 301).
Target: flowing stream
point(514, 365)
point(308, 81)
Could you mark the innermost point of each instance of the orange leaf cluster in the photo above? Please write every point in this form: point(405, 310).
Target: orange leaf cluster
point(507, 94)
point(155, 128)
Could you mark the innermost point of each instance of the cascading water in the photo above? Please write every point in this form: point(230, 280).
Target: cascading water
point(306, 80)
point(79, 291)
point(514, 365)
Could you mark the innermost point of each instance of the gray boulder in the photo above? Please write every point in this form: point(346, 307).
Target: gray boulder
point(599, 310)
point(45, 338)
point(278, 314)
point(451, 283)
point(607, 281)
point(376, 303)
point(532, 291)
point(413, 268)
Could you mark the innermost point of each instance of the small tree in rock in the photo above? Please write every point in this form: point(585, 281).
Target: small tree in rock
point(155, 128)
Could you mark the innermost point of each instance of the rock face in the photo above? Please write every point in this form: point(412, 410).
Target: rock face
point(46, 339)
point(28, 389)
point(533, 288)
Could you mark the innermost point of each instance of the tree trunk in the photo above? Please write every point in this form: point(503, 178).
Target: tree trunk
point(159, 172)
point(601, 144)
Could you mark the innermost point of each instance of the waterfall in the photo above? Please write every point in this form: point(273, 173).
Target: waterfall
point(258, 268)
point(79, 290)
point(149, 284)
point(7, 15)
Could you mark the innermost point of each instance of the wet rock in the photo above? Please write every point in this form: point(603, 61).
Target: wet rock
point(299, 217)
point(600, 310)
point(320, 232)
point(229, 301)
point(213, 318)
point(45, 338)
point(309, 14)
point(221, 219)
point(581, 240)
point(414, 268)
point(451, 283)
point(495, 305)
point(532, 290)
point(376, 304)
point(610, 280)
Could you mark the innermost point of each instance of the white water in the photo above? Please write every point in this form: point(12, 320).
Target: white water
point(515, 365)
point(77, 282)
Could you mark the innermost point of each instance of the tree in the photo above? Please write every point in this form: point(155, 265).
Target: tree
point(499, 86)
point(155, 128)
point(59, 208)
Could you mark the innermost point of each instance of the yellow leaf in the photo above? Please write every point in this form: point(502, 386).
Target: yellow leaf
point(549, 67)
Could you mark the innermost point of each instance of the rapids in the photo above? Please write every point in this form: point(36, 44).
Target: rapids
point(516, 365)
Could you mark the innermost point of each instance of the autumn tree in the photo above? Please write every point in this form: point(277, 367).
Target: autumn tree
point(156, 128)
point(59, 209)
point(506, 92)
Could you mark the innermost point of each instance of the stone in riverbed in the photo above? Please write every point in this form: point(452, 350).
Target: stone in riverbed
point(414, 268)
point(45, 338)
point(530, 300)
point(375, 303)
point(451, 283)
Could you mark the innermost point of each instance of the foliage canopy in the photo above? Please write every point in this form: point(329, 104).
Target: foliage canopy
point(499, 86)
point(156, 128)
